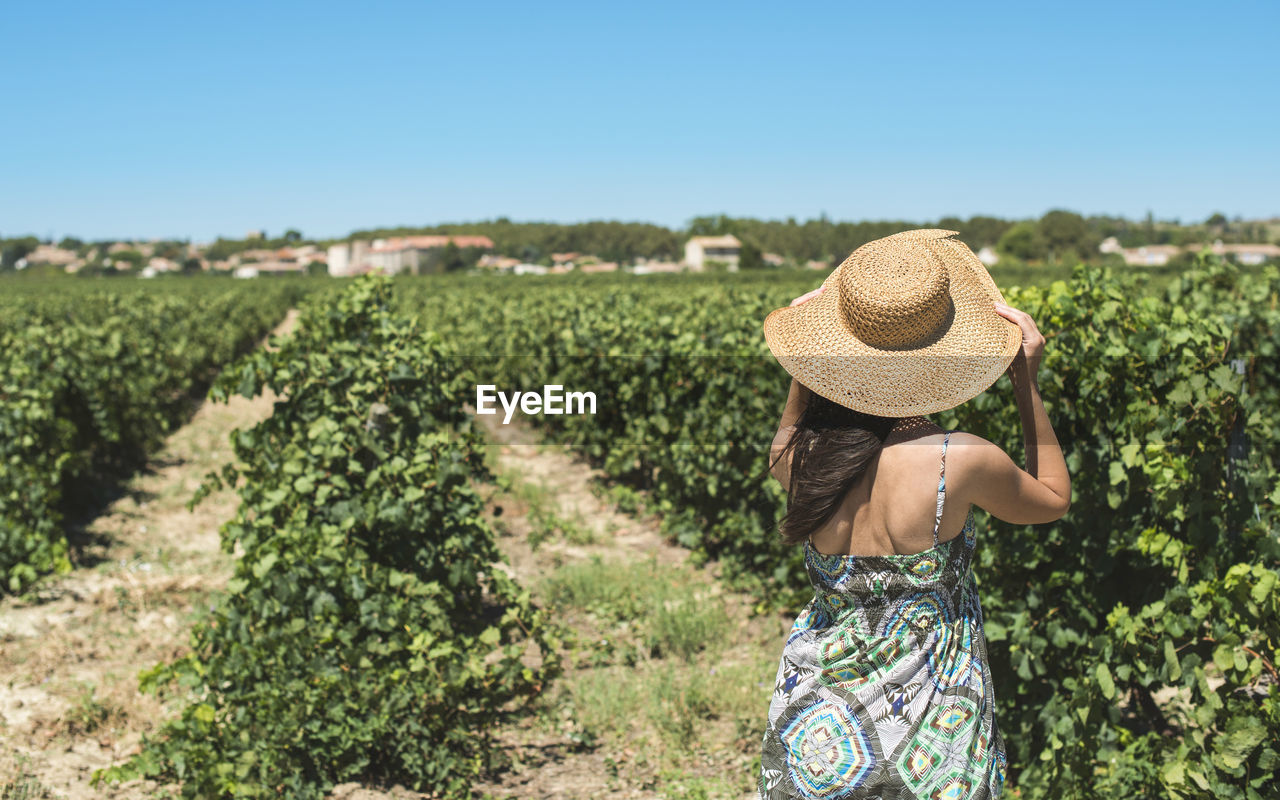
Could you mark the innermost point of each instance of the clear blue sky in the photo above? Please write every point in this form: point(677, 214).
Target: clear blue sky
point(179, 119)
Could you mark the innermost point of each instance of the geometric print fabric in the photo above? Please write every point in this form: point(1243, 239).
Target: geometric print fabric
point(884, 689)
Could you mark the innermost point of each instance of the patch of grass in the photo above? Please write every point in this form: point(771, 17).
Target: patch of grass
point(686, 623)
point(544, 521)
point(680, 703)
point(676, 713)
point(674, 612)
point(694, 787)
point(611, 589)
point(18, 783)
point(545, 525)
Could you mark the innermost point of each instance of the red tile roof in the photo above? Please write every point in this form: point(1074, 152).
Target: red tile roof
point(427, 242)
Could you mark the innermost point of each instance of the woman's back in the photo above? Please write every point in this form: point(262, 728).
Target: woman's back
point(892, 508)
point(889, 509)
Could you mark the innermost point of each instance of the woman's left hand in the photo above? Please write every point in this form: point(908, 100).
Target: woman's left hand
point(808, 296)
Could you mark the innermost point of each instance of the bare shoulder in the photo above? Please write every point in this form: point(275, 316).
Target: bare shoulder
point(972, 459)
point(971, 446)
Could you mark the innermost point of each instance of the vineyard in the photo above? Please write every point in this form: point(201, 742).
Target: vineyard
point(1135, 641)
point(90, 382)
point(370, 634)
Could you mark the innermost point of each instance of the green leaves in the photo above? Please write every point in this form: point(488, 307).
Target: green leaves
point(1241, 737)
point(1105, 682)
point(91, 381)
point(1171, 661)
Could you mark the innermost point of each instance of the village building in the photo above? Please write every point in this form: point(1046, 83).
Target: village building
point(1152, 255)
point(1155, 255)
point(146, 249)
point(655, 267)
point(396, 254)
point(701, 249)
point(1247, 254)
point(51, 254)
point(346, 258)
point(1253, 254)
point(496, 262)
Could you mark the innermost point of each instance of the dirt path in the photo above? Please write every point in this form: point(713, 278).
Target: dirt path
point(69, 657)
point(624, 721)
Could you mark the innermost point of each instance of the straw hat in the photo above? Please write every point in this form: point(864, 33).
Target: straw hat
point(905, 326)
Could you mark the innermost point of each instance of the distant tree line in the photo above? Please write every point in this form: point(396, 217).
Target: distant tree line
point(1058, 236)
point(536, 241)
point(823, 240)
point(221, 249)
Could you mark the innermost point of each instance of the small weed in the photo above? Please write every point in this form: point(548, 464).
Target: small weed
point(125, 602)
point(542, 527)
point(576, 531)
point(88, 714)
point(696, 790)
point(627, 499)
point(544, 522)
point(679, 703)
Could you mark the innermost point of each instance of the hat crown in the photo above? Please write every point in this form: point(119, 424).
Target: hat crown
point(894, 292)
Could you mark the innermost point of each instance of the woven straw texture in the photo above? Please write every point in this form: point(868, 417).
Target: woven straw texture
point(905, 326)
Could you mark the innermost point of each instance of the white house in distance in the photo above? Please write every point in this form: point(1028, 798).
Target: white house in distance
point(1155, 255)
point(393, 254)
point(344, 257)
point(701, 249)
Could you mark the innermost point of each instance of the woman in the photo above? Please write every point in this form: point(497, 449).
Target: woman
point(883, 689)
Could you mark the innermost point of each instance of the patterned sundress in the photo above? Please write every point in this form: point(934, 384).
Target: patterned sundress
point(884, 690)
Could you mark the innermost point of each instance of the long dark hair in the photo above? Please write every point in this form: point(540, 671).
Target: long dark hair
point(831, 447)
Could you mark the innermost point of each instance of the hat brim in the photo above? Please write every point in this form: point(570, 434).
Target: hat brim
point(813, 343)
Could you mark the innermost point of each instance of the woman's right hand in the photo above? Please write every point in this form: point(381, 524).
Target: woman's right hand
point(1027, 361)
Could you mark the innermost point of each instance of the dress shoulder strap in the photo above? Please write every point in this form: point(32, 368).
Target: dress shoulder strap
point(942, 487)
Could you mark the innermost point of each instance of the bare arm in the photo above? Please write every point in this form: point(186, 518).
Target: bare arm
point(990, 480)
point(779, 459)
point(797, 399)
point(1045, 461)
point(1042, 492)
